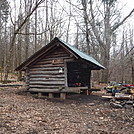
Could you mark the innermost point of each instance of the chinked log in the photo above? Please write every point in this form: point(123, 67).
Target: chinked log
point(47, 65)
point(46, 72)
point(46, 82)
point(44, 68)
point(46, 79)
point(46, 86)
point(47, 76)
point(62, 54)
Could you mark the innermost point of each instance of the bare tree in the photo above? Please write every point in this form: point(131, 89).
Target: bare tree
point(16, 31)
point(100, 26)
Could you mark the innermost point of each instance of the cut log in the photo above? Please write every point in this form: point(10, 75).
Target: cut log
point(121, 96)
point(107, 97)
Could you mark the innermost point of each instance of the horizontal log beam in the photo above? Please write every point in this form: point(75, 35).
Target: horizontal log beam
point(46, 82)
point(44, 68)
point(47, 86)
point(46, 76)
point(62, 54)
point(43, 90)
point(46, 73)
point(55, 58)
point(73, 90)
point(47, 79)
point(47, 65)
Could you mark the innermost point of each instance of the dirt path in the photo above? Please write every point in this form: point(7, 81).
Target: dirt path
point(79, 114)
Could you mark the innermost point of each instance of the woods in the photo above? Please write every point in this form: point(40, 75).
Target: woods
point(98, 28)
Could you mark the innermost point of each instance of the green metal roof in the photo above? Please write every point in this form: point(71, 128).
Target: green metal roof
point(82, 55)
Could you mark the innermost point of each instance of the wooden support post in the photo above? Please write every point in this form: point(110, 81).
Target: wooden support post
point(28, 93)
point(51, 95)
point(63, 96)
point(86, 92)
point(39, 94)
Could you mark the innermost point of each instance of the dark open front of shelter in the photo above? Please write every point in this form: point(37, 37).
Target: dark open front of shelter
point(78, 74)
point(58, 67)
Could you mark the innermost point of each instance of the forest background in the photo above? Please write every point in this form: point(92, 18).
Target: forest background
point(101, 28)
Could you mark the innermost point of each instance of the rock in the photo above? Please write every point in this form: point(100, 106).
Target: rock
point(73, 105)
point(1, 105)
point(114, 105)
point(101, 118)
point(129, 102)
point(91, 104)
point(128, 106)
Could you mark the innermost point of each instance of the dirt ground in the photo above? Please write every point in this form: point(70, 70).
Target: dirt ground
point(78, 114)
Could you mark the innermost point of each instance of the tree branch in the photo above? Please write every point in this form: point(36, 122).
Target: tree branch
point(129, 51)
point(119, 24)
point(25, 20)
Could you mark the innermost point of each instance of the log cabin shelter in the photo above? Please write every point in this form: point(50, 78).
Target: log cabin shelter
point(58, 68)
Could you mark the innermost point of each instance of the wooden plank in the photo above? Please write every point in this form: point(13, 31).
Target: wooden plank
point(74, 90)
point(43, 90)
point(107, 97)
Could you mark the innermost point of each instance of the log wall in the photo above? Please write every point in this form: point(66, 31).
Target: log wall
point(48, 74)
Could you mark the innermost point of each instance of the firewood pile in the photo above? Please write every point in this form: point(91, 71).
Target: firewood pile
point(121, 100)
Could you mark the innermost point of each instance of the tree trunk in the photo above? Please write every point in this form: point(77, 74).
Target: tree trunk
point(35, 36)
point(84, 4)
